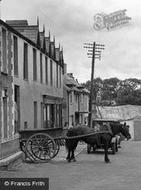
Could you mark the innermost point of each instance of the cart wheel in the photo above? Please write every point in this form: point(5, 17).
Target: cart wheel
point(41, 147)
point(57, 147)
point(88, 148)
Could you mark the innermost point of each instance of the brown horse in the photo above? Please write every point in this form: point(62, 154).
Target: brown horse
point(83, 132)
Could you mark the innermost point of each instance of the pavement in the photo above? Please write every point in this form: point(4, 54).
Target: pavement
point(63, 152)
point(90, 171)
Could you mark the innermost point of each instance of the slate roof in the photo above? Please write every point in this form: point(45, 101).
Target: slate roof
point(29, 31)
point(73, 84)
point(125, 112)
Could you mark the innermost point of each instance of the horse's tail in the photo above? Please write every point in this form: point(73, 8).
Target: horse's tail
point(71, 144)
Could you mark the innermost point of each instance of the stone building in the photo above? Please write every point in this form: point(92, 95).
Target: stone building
point(9, 139)
point(31, 82)
point(75, 104)
point(38, 77)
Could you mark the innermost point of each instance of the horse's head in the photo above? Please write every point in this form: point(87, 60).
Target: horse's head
point(125, 131)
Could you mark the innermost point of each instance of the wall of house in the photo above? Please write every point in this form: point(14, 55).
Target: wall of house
point(78, 108)
point(73, 107)
point(30, 90)
point(65, 113)
point(8, 138)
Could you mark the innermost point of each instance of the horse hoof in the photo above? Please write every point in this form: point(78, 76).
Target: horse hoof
point(68, 160)
point(107, 161)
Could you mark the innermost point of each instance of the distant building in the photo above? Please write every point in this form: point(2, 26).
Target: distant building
point(31, 82)
point(76, 99)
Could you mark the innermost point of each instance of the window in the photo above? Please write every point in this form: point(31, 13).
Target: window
point(46, 70)
point(41, 69)
point(16, 108)
point(5, 117)
point(76, 97)
point(60, 115)
point(15, 50)
point(57, 75)
point(60, 76)
point(51, 73)
point(25, 62)
point(4, 51)
point(35, 115)
point(45, 116)
point(70, 97)
point(42, 117)
point(49, 116)
point(34, 65)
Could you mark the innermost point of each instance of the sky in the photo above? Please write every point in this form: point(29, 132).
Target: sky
point(71, 21)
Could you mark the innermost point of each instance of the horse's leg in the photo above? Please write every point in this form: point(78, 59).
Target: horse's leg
point(106, 146)
point(73, 156)
point(72, 151)
point(68, 156)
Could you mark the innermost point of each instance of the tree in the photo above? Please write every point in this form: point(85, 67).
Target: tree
point(126, 91)
point(110, 88)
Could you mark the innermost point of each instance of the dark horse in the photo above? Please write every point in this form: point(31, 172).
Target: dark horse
point(84, 131)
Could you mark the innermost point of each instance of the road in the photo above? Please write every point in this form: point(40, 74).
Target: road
point(89, 172)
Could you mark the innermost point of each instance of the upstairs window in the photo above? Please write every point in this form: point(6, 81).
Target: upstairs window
point(51, 73)
point(57, 76)
point(4, 51)
point(34, 65)
point(46, 70)
point(15, 51)
point(25, 62)
point(71, 97)
point(41, 69)
point(60, 73)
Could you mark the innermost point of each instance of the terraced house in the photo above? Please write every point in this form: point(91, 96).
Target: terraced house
point(76, 100)
point(31, 82)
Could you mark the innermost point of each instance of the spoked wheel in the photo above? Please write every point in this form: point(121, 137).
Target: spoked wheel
point(57, 147)
point(41, 147)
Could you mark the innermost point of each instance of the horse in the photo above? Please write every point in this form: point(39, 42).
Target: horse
point(83, 133)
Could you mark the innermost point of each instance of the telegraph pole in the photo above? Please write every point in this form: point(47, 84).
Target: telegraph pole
point(94, 52)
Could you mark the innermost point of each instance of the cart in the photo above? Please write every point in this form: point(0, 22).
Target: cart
point(42, 145)
point(114, 143)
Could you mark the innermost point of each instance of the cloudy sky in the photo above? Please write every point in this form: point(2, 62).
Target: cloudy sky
point(71, 21)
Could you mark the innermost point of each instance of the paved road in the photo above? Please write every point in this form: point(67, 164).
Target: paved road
point(89, 172)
